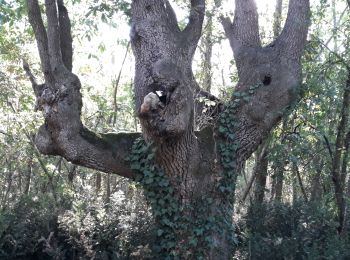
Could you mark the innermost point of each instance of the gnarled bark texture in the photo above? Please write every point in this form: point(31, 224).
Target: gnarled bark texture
point(60, 100)
point(164, 88)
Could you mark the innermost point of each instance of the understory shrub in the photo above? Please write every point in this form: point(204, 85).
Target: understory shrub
point(37, 228)
point(282, 231)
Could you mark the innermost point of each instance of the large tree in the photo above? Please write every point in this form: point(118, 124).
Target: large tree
point(189, 177)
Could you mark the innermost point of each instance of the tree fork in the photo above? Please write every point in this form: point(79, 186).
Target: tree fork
point(60, 100)
point(199, 172)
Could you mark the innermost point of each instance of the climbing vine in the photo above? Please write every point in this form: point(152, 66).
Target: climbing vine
point(173, 221)
point(228, 144)
point(182, 230)
point(159, 194)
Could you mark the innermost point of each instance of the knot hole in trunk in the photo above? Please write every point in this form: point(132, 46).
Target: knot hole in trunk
point(267, 80)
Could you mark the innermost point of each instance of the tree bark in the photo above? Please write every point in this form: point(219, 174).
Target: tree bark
point(276, 66)
point(28, 174)
point(316, 190)
point(300, 181)
point(261, 174)
point(279, 183)
point(192, 183)
point(98, 182)
point(206, 51)
point(9, 181)
point(338, 177)
point(281, 164)
point(108, 189)
point(60, 100)
point(116, 85)
point(261, 180)
point(277, 18)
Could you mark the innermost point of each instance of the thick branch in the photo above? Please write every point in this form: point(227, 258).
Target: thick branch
point(341, 138)
point(155, 41)
point(300, 181)
point(243, 35)
point(270, 76)
point(65, 35)
point(293, 36)
point(246, 23)
point(228, 28)
point(337, 178)
point(30, 75)
point(53, 34)
point(344, 167)
point(277, 19)
point(193, 30)
point(106, 153)
point(171, 16)
point(245, 27)
point(38, 88)
point(63, 132)
point(37, 24)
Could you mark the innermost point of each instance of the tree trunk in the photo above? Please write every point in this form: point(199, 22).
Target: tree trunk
point(347, 211)
point(261, 174)
point(277, 18)
point(9, 181)
point(108, 189)
point(115, 88)
point(98, 182)
point(28, 174)
point(189, 179)
point(338, 177)
point(300, 181)
point(279, 173)
point(295, 194)
point(346, 191)
point(316, 190)
point(279, 183)
point(206, 51)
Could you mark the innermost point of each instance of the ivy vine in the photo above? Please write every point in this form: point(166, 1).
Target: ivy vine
point(173, 223)
point(228, 144)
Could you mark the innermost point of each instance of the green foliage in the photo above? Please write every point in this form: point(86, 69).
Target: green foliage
point(160, 195)
point(10, 11)
point(302, 231)
point(228, 144)
point(113, 231)
point(171, 216)
point(183, 230)
point(23, 228)
point(108, 8)
point(35, 228)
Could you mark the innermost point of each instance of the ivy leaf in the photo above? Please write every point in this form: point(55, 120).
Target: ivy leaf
point(149, 180)
point(222, 129)
point(160, 232)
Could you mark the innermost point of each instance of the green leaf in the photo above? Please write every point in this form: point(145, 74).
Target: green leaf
point(160, 232)
point(149, 180)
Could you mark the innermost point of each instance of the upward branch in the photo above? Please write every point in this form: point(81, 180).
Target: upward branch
point(41, 37)
point(65, 35)
point(60, 100)
point(53, 35)
point(244, 31)
point(293, 37)
point(270, 76)
point(154, 37)
point(246, 23)
point(193, 30)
